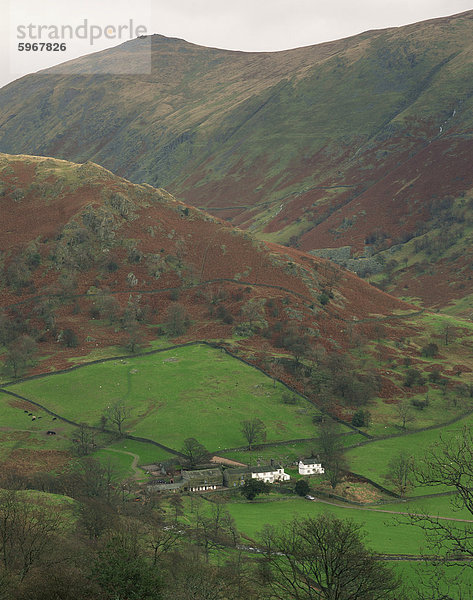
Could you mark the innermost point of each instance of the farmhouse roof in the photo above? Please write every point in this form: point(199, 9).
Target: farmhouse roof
point(264, 469)
point(201, 473)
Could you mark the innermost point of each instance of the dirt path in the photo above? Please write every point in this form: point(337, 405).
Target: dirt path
point(138, 473)
point(391, 512)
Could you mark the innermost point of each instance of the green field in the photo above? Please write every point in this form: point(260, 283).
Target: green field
point(19, 431)
point(120, 455)
point(441, 506)
point(289, 453)
point(385, 533)
point(193, 391)
point(371, 460)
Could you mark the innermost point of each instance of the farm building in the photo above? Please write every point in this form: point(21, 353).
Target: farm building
point(203, 480)
point(192, 481)
point(310, 466)
point(268, 474)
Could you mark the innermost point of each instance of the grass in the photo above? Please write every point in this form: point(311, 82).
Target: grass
point(119, 461)
point(441, 506)
point(386, 420)
point(118, 455)
point(18, 430)
point(148, 453)
point(193, 391)
point(288, 453)
point(384, 532)
point(371, 460)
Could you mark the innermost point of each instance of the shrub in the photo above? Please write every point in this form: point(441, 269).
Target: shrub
point(324, 299)
point(361, 418)
point(70, 338)
point(435, 376)
point(302, 487)
point(253, 487)
point(112, 266)
point(419, 403)
point(224, 314)
point(430, 350)
point(413, 377)
point(288, 398)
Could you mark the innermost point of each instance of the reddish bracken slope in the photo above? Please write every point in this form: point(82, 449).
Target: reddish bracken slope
point(85, 251)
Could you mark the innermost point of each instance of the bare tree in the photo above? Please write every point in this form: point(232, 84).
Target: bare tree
point(276, 371)
point(20, 355)
point(448, 334)
point(449, 462)
point(215, 530)
point(83, 440)
point(331, 452)
point(95, 517)
point(325, 559)
point(178, 320)
point(117, 414)
point(162, 539)
point(404, 412)
point(254, 430)
point(194, 451)
point(177, 505)
point(27, 533)
point(401, 472)
point(253, 312)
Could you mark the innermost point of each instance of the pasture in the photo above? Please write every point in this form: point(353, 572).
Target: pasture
point(385, 533)
point(372, 459)
point(193, 391)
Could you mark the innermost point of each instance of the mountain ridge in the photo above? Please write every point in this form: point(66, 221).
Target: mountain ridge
point(301, 147)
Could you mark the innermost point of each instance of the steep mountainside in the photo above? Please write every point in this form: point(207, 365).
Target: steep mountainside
point(89, 260)
point(338, 144)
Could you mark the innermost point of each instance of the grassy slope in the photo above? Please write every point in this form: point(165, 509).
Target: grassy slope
point(288, 452)
point(384, 532)
point(372, 459)
point(17, 430)
point(189, 392)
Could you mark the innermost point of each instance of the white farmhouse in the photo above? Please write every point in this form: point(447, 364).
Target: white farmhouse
point(269, 474)
point(310, 466)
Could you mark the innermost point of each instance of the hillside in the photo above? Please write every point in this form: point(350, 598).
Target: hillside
point(90, 261)
point(340, 144)
point(106, 284)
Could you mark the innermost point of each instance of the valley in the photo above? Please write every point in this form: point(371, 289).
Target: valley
point(237, 262)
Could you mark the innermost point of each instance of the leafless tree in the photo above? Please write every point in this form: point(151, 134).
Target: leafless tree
point(117, 414)
point(83, 440)
point(401, 472)
point(331, 452)
point(178, 320)
point(404, 412)
point(324, 558)
point(20, 355)
point(27, 533)
point(254, 430)
point(448, 462)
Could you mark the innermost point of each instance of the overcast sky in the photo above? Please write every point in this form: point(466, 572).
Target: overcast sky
point(256, 25)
